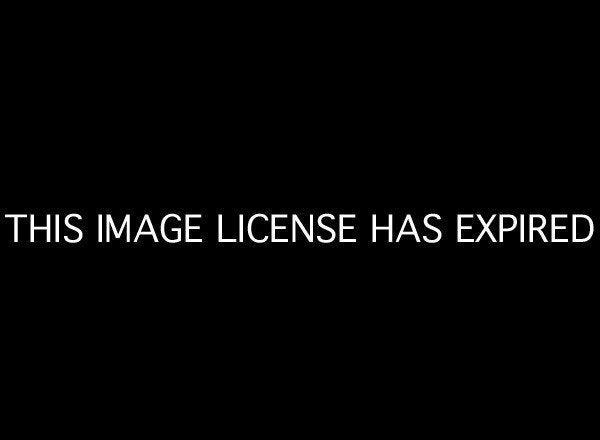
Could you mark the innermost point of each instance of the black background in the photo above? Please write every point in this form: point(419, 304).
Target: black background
point(386, 112)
